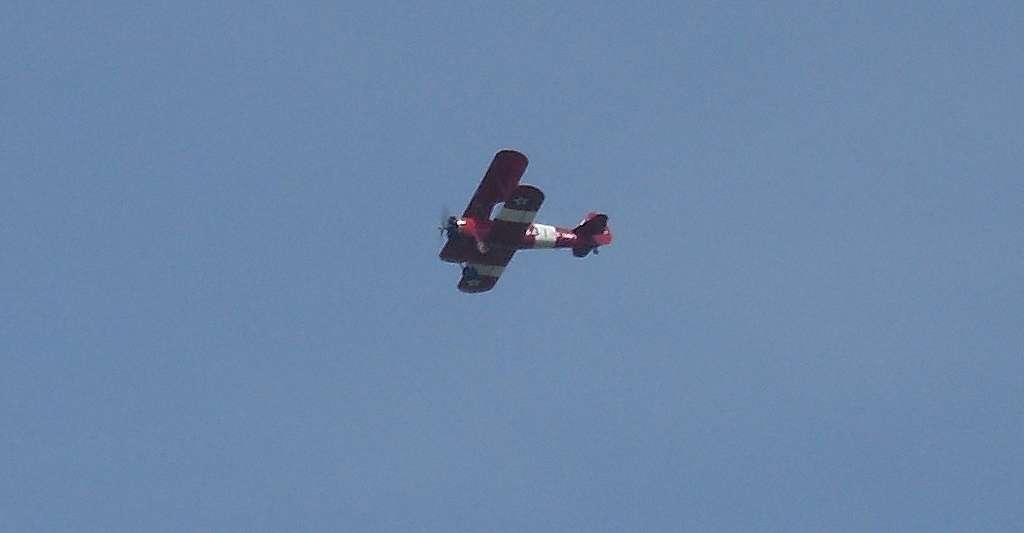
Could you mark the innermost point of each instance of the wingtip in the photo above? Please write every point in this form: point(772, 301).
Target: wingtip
point(511, 152)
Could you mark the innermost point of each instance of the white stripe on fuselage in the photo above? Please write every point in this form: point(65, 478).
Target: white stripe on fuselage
point(545, 237)
point(519, 216)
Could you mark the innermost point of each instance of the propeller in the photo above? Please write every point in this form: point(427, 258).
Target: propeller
point(448, 224)
point(441, 225)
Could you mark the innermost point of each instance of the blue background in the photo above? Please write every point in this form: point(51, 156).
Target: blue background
point(221, 307)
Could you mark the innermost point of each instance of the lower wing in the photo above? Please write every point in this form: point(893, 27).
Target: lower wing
point(482, 272)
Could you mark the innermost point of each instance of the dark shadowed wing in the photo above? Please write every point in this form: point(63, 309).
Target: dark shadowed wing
point(482, 272)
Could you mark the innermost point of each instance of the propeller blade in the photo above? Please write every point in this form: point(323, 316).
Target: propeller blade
point(443, 225)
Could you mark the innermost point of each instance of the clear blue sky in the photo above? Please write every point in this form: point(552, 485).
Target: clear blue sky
point(221, 308)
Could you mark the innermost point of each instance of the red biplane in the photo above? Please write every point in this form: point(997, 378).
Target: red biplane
point(484, 246)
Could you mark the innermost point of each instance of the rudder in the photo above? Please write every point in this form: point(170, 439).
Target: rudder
point(593, 232)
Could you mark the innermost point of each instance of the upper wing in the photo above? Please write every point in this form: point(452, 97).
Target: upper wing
point(516, 215)
point(501, 177)
point(482, 272)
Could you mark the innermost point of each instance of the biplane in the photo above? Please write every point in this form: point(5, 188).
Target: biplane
point(484, 246)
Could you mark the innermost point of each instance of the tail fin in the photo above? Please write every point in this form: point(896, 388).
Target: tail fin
point(593, 232)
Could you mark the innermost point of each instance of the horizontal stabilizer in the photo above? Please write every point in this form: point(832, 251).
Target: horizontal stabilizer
point(593, 224)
